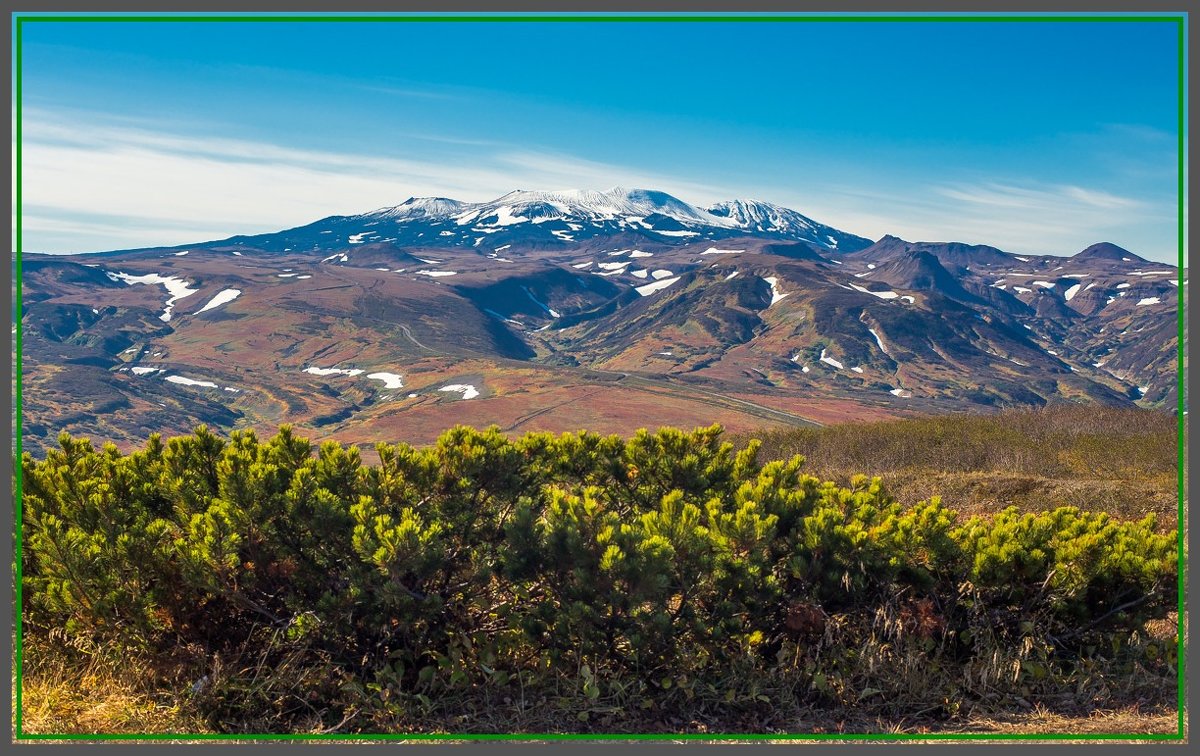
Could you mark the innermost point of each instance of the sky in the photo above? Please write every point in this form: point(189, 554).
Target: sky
point(1032, 137)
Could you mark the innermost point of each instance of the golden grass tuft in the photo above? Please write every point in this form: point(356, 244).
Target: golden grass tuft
point(59, 697)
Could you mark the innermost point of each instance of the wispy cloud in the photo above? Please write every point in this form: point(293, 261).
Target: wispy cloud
point(560, 171)
point(93, 183)
point(158, 187)
point(399, 91)
point(108, 232)
point(1070, 198)
point(386, 85)
point(1100, 199)
point(1027, 217)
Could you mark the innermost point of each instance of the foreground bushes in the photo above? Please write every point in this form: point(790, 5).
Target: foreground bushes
point(602, 576)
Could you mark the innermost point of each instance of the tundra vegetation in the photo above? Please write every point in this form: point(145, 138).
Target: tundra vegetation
point(668, 582)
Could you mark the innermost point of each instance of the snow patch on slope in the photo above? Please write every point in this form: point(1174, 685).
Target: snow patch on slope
point(467, 390)
point(878, 340)
point(830, 361)
point(776, 294)
point(176, 287)
point(537, 302)
point(333, 371)
point(658, 285)
point(224, 296)
point(390, 380)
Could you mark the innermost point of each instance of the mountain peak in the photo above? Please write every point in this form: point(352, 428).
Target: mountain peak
point(884, 249)
point(420, 207)
point(557, 218)
point(920, 270)
point(589, 205)
point(1108, 251)
point(757, 216)
point(953, 255)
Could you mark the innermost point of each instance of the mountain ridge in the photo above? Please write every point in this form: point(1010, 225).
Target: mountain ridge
point(549, 218)
point(562, 310)
point(560, 214)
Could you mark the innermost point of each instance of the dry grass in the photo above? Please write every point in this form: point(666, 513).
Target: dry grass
point(96, 704)
point(72, 688)
point(1063, 441)
point(987, 492)
point(1121, 461)
point(1129, 720)
point(103, 707)
point(93, 697)
point(61, 701)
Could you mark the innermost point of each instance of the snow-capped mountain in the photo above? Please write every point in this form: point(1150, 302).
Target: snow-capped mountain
point(421, 207)
point(618, 204)
point(556, 219)
point(765, 218)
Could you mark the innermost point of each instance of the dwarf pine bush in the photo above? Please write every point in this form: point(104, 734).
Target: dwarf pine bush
point(656, 565)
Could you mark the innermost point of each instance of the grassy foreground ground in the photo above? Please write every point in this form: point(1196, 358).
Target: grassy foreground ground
point(1120, 461)
point(99, 699)
point(58, 700)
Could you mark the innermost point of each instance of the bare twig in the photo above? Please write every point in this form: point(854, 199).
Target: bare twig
point(339, 725)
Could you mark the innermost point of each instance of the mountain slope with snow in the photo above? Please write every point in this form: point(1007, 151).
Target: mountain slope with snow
point(622, 308)
point(767, 219)
point(554, 219)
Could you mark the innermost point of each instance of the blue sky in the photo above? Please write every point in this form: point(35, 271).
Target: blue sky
point(1034, 137)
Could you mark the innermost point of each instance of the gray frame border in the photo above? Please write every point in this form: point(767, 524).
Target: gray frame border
point(533, 6)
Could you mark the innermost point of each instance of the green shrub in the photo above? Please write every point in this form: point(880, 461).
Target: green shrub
point(645, 568)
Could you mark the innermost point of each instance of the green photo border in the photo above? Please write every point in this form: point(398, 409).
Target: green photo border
point(1178, 19)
